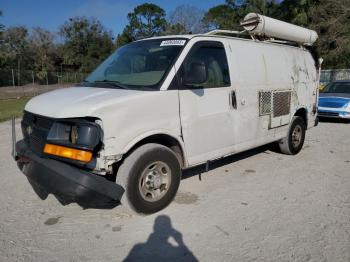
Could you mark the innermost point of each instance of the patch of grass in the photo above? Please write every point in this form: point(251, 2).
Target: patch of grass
point(11, 107)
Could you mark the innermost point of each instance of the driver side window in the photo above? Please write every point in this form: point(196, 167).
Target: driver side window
point(212, 55)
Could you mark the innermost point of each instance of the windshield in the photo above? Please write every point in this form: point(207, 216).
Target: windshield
point(139, 65)
point(338, 87)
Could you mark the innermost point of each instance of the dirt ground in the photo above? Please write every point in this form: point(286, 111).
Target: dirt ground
point(257, 206)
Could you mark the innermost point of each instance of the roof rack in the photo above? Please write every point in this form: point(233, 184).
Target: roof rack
point(230, 33)
point(247, 35)
point(226, 32)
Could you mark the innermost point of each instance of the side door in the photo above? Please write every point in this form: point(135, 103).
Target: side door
point(253, 83)
point(207, 108)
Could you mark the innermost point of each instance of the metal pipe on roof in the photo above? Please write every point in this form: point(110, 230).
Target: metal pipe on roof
point(260, 25)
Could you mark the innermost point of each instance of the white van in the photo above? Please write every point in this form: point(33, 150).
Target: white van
point(160, 105)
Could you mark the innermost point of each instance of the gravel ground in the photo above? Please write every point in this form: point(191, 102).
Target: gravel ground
point(257, 206)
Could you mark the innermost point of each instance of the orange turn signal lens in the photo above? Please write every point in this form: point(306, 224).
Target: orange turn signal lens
point(71, 153)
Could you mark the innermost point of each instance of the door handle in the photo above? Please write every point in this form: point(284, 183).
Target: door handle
point(234, 99)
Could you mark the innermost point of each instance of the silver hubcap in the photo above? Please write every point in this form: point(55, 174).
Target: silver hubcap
point(155, 181)
point(296, 136)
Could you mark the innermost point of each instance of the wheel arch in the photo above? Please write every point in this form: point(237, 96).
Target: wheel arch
point(302, 112)
point(161, 138)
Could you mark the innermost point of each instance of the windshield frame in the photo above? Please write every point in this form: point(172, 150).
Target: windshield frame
point(155, 87)
point(329, 85)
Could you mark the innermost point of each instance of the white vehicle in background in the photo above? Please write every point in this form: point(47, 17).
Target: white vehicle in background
point(160, 105)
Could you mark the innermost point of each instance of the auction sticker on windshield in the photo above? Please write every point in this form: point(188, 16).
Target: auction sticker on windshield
point(173, 42)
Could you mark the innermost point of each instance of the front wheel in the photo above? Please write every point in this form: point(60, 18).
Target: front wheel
point(150, 175)
point(293, 142)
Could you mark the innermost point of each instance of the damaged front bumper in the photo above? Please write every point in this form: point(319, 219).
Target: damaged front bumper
point(68, 183)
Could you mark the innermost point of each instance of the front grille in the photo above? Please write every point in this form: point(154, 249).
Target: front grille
point(328, 114)
point(35, 129)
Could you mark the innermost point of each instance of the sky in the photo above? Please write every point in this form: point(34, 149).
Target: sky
point(51, 14)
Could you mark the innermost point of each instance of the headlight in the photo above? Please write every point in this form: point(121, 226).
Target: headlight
point(74, 139)
point(347, 107)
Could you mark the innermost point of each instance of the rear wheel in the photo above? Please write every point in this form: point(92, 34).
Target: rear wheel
point(294, 141)
point(150, 176)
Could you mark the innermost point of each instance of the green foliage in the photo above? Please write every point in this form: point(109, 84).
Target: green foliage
point(146, 20)
point(295, 11)
point(12, 107)
point(221, 17)
point(42, 45)
point(14, 49)
point(1, 25)
point(175, 29)
point(123, 38)
point(229, 15)
point(331, 20)
point(86, 42)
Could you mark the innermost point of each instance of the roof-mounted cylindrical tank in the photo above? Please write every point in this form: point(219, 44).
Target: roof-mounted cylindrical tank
point(266, 26)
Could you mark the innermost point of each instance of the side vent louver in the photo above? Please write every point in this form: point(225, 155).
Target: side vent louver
point(265, 103)
point(274, 103)
point(281, 103)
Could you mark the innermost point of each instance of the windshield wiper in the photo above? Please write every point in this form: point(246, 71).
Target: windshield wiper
point(112, 83)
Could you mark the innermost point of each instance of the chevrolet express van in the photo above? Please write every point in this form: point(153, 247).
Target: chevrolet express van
point(160, 105)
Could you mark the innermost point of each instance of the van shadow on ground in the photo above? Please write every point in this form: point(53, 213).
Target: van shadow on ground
point(158, 246)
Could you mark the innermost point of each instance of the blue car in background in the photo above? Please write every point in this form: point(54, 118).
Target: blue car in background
point(334, 101)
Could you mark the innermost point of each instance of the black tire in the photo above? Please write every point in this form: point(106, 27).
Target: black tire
point(289, 145)
point(131, 175)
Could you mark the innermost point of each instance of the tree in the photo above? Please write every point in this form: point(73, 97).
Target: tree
point(175, 29)
point(42, 44)
point(2, 55)
point(331, 20)
point(15, 48)
point(221, 17)
point(146, 20)
point(264, 7)
point(86, 44)
point(229, 15)
point(125, 37)
point(1, 25)
point(294, 11)
point(189, 17)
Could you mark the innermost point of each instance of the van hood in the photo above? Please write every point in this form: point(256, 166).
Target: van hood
point(77, 101)
point(334, 100)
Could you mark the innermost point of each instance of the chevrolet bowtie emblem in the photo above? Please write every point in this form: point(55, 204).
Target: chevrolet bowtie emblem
point(29, 130)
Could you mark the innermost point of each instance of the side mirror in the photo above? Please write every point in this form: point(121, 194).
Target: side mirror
point(196, 75)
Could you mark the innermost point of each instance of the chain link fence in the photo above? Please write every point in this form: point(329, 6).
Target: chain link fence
point(333, 75)
point(26, 83)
